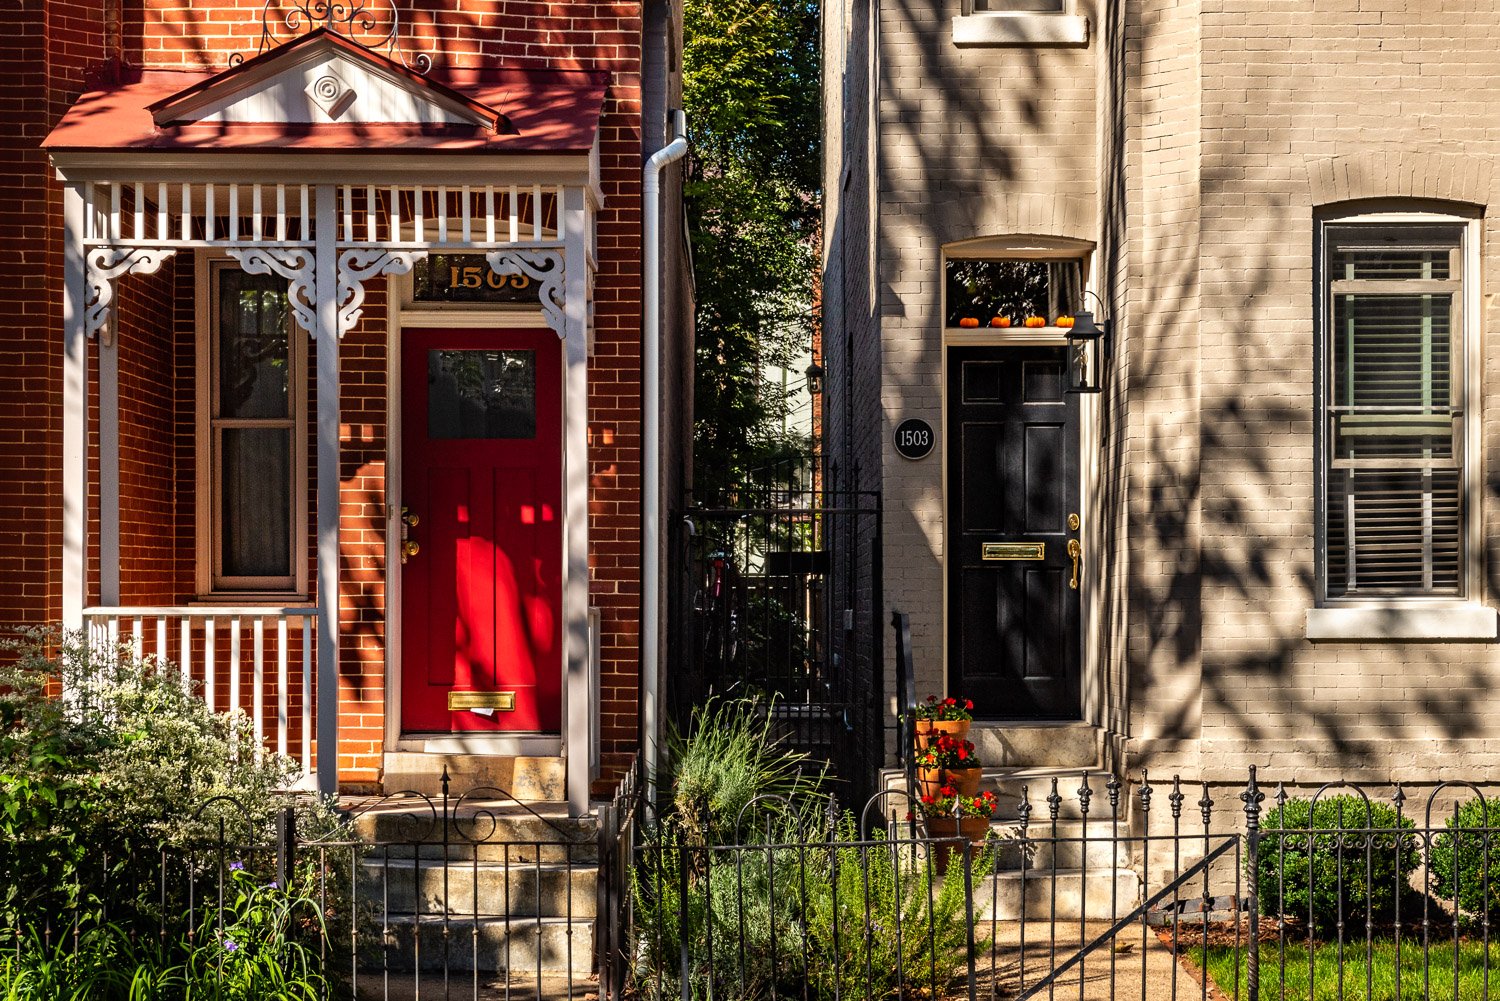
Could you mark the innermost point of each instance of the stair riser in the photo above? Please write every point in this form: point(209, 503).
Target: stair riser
point(529, 779)
point(422, 825)
point(521, 891)
point(1063, 854)
point(999, 897)
point(1073, 745)
point(499, 853)
point(517, 948)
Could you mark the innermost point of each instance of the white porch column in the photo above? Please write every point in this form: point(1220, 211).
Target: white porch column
point(75, 412)
point(327, 340)
point(579, 692)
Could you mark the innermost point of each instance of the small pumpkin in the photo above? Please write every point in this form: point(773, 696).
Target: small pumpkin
point(1063, 321)
point(1036, 321)
point(968, 321)
point(1000, 321)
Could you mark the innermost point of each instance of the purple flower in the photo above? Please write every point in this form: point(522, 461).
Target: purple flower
point(230, 945)
point(273, 885)
point(236, 866)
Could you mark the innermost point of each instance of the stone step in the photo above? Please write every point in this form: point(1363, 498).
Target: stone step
point(999, 897)
point(1071, 846)
point(516, 945)
point(1037, 745)
point(1009, 784)
point(530, 779)
point(491, 832)
point(410, 886)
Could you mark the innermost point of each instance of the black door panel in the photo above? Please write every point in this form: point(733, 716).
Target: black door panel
point(1013, 469)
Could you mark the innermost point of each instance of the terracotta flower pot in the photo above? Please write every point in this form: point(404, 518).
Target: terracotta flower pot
point(965, 780)
point(929, 730)
point(929, 781)
point(974, 829)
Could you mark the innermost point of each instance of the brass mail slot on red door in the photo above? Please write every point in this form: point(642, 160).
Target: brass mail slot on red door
point(1013, 551)
point(501, 701)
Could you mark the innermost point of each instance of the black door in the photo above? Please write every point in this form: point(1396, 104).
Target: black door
point(1013, 609)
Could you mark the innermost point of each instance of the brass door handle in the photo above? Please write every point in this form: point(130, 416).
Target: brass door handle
point(409, 549)
point(1075, 550)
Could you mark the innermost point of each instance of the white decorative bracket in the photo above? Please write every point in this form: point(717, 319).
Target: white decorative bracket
point(545, 267)
point(105, 264)
point(358, 266)
point(297, 265)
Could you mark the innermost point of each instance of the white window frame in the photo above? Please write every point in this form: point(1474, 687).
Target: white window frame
point(211, 583)
point(1017, 23)
point(1414, 616)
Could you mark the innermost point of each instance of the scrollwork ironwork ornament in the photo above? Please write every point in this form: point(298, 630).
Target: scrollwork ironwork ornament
point(545, 267)
point(298, 266)
point(360, 264)
point(105, 264)
point(373, 24)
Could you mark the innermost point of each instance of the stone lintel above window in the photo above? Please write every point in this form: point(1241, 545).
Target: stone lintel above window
point(1019, 27)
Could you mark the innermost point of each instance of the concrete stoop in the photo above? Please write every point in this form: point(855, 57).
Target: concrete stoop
point(530, 779)
point(500, 889)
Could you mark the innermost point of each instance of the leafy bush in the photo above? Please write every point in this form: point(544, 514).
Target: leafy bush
point(782, 899)
point(1333, 859)
point(726, 760)
point(1467, 856)
point(117, 782)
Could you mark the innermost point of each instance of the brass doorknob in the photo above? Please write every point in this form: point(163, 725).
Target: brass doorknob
point(409, 549)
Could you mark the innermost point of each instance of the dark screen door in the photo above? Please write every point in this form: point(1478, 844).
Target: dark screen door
point(1013, 609)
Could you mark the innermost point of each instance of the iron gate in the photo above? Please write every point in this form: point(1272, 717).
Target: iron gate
point(782, 588)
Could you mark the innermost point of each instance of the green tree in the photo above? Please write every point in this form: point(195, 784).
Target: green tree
point(751, 92)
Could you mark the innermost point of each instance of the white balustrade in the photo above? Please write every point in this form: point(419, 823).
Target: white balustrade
point(209, 645)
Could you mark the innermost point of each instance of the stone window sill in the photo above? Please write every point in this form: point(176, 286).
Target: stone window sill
point(1472, 622)
point(994, 29)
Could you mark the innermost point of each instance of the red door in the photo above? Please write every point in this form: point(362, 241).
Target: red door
point(481, 631)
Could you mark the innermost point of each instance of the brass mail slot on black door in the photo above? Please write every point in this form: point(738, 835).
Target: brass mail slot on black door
point(1013, 551)
point(502, 701)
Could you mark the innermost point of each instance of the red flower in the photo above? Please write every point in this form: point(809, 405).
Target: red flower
point(950, 702)
point(968, 703)
point(963, 753)
point(910, 816)
point(948, 791)
point(932, 698)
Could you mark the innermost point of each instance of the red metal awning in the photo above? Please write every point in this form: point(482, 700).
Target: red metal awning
point(517, 111)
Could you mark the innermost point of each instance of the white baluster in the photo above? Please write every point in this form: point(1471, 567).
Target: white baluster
point(140, 211)
point(137, 638)
point(234, 213)
point(442, 207)
point(208, 213)
point(281, 213)
point(187, 211)
point(258, 698)
point(489, 213)
point(281, 685)
point(114, 212)
point(371, 233)
point(234, 664)
point(162, 653)
point(187, 653)
point(515, 215)
point(348, 213)
point(255, 208)
point(209, 665)
point(419, 205)
point(162, 226)
point(468, 206)
point(395, 214)
point(536, 211)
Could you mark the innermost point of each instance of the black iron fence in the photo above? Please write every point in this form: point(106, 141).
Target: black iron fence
point(785, 608)
point(1089, 886)
point(1107, 889)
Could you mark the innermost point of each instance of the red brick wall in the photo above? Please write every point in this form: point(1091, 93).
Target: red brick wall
point(62, 41)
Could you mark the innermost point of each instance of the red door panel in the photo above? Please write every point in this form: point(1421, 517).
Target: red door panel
point(482, 473)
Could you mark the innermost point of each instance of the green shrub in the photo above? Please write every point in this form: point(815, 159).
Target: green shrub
point(1322, 861)
point(1467, 856)
point(803, 909)
point(728, 759)
point(127, 773)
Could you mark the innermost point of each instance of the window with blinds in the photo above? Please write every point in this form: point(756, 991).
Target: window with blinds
point(1393, 406)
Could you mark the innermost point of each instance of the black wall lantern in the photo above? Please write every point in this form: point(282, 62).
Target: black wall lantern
point(814, 374)
point(1086, 343)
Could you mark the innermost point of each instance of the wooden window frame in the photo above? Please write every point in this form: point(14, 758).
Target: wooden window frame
point(212, 585)
point(1465, 380)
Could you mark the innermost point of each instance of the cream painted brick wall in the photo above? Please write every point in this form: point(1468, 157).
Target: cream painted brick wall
point(1237, 120)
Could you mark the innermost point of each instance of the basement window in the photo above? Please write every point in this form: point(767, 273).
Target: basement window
point(1020, 22)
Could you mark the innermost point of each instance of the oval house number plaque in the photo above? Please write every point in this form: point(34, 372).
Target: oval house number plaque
point(914, 438)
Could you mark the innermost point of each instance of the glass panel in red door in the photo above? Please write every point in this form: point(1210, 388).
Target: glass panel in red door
point(481, 480)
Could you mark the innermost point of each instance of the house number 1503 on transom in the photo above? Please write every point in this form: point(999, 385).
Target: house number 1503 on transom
point(914, 438)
